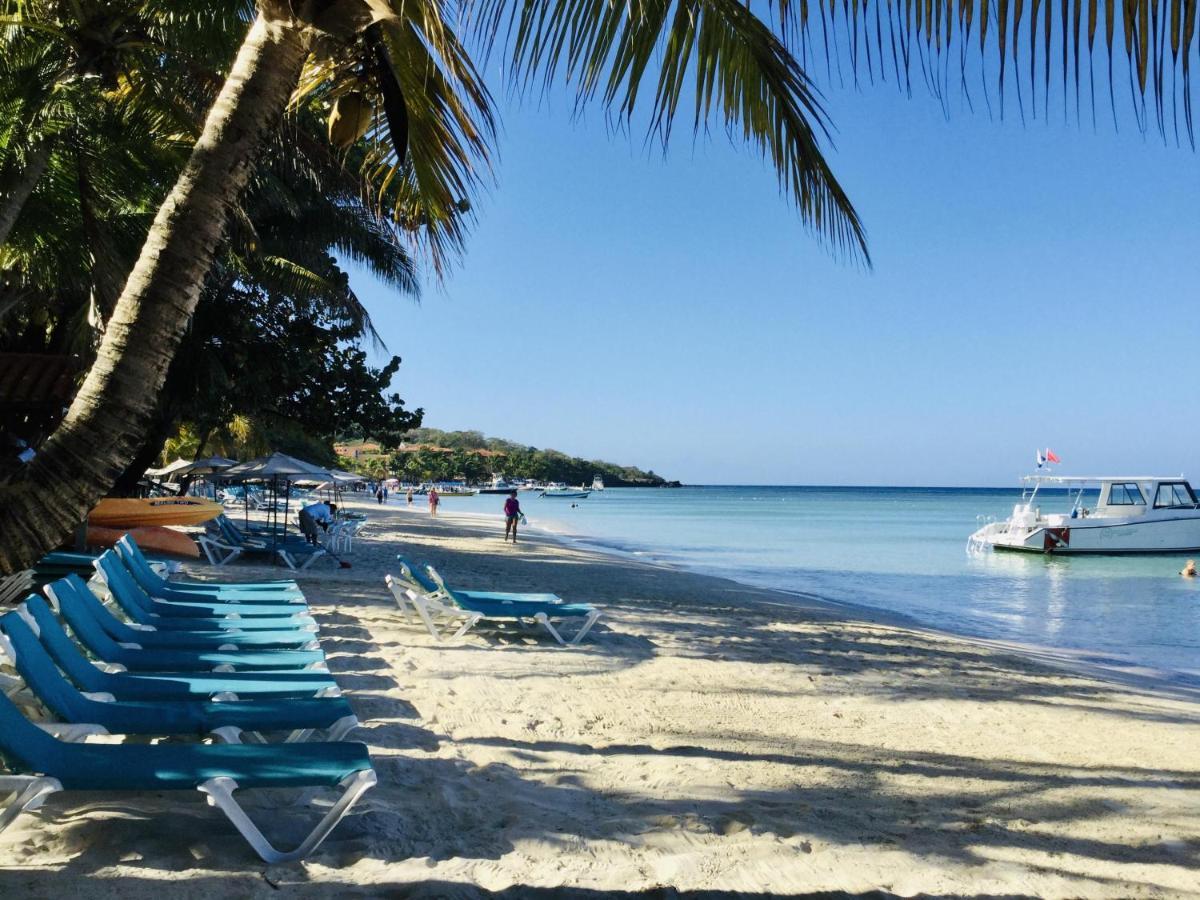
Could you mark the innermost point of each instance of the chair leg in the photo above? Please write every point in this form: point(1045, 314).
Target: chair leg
point(579, 635)
point(30, 792)
point(219, 793)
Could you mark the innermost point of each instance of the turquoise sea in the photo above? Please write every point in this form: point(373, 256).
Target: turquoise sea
point(902, 550)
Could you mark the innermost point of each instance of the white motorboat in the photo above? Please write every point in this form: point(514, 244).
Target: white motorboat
point(598, 483)
point(1131, 514)
point(555, 489)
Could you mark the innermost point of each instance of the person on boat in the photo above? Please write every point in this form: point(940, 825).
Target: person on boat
point(316, 514)
point(512, 515)
point(1189, 569)
point(434, 500)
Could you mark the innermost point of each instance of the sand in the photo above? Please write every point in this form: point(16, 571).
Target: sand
point(711, 738)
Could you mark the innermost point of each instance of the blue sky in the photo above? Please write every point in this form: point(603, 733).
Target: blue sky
point(1032, 286)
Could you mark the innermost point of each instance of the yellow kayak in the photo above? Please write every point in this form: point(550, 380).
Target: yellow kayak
point(130, 513)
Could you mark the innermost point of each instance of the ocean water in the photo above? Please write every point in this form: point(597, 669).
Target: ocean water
point(902, 550)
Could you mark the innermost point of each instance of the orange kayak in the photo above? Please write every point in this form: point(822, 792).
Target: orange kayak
point(151, 538)
point(130, 513)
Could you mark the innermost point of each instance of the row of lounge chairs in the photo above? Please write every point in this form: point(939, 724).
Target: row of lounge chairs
point(449, 613)
point(224, 541)
point(239, 664)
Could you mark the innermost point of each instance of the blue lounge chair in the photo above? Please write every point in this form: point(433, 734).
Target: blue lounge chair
point(157, 586)
point(99, 644)
point(136, 607)
point(228, 543)
point(442, 602)
point(41, 765)
point(218, 639)
point(226, 720)
point(125, 591)
point(113, 679)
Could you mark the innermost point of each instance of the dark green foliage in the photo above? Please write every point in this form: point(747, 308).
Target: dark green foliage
point(518, 462)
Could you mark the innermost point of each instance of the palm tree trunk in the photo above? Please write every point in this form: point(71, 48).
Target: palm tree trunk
point(13, 201)
point(108, 419)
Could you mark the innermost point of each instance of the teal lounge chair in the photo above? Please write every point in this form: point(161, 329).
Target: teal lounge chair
point(486, 606)
point(135, 606)
point(157, 586)
point(125, 591)
point(41, 765)
point(226, 720)
point(228, 543)
point(103, 647)
point(218, 639)
point(113, 679)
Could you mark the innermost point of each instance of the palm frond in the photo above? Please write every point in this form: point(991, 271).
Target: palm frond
point(1047, 45)
point(741, 73)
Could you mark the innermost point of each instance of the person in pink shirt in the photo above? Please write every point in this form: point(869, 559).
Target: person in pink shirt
point(434, 500)
point(512, 515)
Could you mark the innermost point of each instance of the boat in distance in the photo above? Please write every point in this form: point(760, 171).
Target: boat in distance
point(563, 492)
point(1131, 514)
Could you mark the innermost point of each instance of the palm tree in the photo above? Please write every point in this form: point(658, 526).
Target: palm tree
point(66, 65)
point(740, 70)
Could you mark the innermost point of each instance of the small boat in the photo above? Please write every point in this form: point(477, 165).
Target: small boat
point(499, 486)
point(151, 538)
point(597, 483)
point(565, 493)
point(1131, 514)
point(130, 513)
point(454, 489)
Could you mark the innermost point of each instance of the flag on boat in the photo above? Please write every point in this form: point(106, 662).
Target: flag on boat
point(1049, 456)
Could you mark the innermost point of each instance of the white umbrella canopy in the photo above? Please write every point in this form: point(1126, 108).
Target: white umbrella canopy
point(169, 469)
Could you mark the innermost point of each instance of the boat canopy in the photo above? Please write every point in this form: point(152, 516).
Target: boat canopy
point(1096, 479)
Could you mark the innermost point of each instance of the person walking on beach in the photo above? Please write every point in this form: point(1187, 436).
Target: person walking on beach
point(512, 515)
point(409, 496)
point(379, 495)
point(434, 500)
point(385, 492)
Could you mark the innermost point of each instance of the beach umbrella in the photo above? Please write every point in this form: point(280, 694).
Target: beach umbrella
point(169, 469)
point(210, 465)
point(273, 469)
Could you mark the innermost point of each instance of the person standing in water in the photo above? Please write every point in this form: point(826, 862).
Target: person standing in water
point(434, 500)
point(1189, 570)
point(512, 515)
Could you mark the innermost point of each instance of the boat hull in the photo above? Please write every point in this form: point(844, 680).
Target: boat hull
point(153, 539)
point(131, 513)
point(1171, 535)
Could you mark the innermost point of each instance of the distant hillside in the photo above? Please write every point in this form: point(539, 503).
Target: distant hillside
point(430, 454)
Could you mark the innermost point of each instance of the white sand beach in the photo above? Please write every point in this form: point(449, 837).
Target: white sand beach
point(710, 737)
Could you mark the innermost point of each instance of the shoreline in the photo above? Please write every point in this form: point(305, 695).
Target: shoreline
point(708, 737)
point(1123, 672)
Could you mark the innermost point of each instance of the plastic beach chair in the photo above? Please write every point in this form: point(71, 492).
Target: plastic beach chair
point(99, 644)
point(228, 543)
point(42, 765)
point(216, 639)
point(497, 607)
point(111, 678)
point(116, 578)
point(443, 622)
point(225, 720)
point(157, 586)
